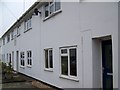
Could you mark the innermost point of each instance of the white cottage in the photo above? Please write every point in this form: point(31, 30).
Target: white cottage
point(66, 44)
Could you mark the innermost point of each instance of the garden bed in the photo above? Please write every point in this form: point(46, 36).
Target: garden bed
point(16, 78)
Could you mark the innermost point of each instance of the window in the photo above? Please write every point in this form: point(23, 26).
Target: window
point(52, 7)
point(8, 38)
point(12, 35)
point(69, 61)
point(22, 57)
point(29, 58)
point(18, 31)
point(3, 41)
point(28, 24)
point(3, 57)
point(48, 58)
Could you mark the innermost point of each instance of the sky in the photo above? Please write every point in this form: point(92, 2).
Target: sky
point(10, 11)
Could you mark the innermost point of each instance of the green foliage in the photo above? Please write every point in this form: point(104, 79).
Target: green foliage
point(7, 70)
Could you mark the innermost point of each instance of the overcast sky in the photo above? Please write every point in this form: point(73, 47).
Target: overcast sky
point(10, 11)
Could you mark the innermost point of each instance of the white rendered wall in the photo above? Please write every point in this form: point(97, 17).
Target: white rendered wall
point(102, 20)
point(77, 24)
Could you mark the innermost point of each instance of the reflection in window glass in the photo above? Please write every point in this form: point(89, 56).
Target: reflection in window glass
point(46, 58)
point(63, 51)
point(47, 10)
point(50, 59)
point(73, 68)
point(64, 65)
point(57, 6)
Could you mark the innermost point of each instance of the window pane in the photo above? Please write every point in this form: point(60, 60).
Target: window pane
point(46, 10)
point(50, 59)
point(23, 63)
point(30, 23)
point(64, 65)
point(51, 8)
point(27, 54)
point(46, 58)
point(73, 66)
point(30, 54)
point(30, 61)
point(57, 5)
point(63, 51)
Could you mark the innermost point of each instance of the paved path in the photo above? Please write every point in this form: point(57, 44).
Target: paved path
point(27, 84)
point(18, 85)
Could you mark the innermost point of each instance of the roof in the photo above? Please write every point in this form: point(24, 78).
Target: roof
point(22, 18)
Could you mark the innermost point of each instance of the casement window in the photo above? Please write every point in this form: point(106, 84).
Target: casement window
point(28, 24)
point(68, 61)
point(48, 58)
point(29, 58)
point(12, 35)
point(8, 37)
point(52, 7)
point(3, 41)
point(18, 31)
point(22, 59)
point(3, 57)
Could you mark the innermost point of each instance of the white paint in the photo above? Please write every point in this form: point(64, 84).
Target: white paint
point(77, 24)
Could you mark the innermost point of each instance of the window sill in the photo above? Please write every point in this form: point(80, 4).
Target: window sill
point(29, 66)
point(27, 30)
point(48, 69)
point(18, 35)
point(53, 14)
point(23, 67)
point(69, 78)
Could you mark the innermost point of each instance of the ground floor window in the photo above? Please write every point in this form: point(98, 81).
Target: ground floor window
point(22, 61)
point(29, 58)
point(48, 58)
point(68, 61)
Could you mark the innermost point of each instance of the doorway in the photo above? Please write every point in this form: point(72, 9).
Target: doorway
point(17, 61)
point(107, 75)
point(13, 59)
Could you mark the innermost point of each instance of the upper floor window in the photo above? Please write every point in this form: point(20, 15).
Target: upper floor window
point(8, 37)
point(12, 35)
point(69, 61)
point(48, 58)
point(52, 7)
point(28, 24)
point(29, 58)
point(18, 31)
point(3, 41)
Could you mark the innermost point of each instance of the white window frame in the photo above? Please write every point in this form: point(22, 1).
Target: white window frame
point(29, 58)
point(28, 24)
point(49, 68)
point(22, 59)
point(54, 11)
point(70, 77)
